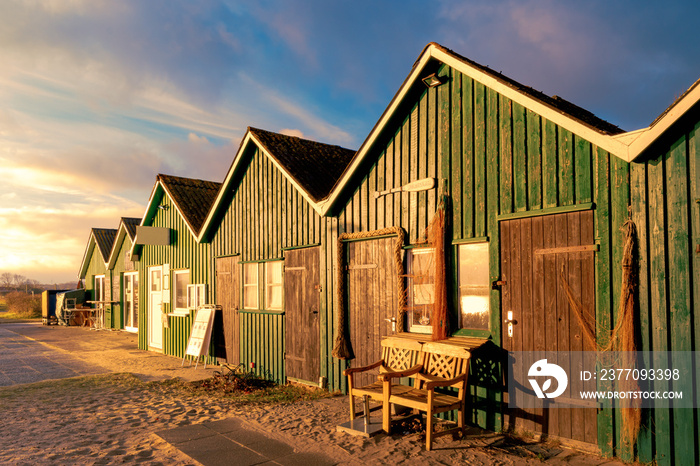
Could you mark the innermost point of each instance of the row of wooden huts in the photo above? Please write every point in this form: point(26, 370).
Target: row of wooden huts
point(310, 247)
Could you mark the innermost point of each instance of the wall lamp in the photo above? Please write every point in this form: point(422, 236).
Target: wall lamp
point(163, 207)
point(432, 80)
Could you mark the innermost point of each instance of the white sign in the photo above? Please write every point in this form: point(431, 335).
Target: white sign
point(200, 336)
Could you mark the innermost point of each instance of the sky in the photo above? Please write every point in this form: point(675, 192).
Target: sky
point(97, 97)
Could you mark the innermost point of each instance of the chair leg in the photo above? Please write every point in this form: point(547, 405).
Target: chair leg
point(352, 407)
point(429, 431)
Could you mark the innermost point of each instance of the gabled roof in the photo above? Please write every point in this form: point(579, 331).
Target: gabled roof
point(312, 167)
point(315, 166)
point(556, 109)
point(127, 227)
point(102, 238)
point(192, 199)
point(638, 141)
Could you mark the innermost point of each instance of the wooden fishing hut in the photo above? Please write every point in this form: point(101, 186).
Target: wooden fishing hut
point(269, 247)
point(173, 267)
point(534, 194)
point(93, 268)
point(122, 279)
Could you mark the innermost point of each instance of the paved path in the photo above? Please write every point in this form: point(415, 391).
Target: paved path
point(24, 360)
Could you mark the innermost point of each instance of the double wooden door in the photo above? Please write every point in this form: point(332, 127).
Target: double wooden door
point(302, 300)
point(372, 299)
point(539, 257)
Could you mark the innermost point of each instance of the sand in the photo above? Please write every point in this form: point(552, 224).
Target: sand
point(113, 418)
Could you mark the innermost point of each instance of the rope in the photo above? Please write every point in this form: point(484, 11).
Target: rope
point(342, 348)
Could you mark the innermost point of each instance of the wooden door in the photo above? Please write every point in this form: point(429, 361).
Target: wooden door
point(538, 255)
point(372, 299)
point(302, 301)
point(227, 296)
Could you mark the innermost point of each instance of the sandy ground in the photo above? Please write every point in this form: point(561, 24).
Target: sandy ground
point(113, 417)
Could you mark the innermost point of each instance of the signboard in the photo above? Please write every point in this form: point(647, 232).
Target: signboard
point(152, 236)
point(200, 336)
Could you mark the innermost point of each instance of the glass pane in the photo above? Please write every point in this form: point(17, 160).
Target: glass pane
point(474, 290)
point(250, 297)
point(182, 279)
point(273, 272)
point(155, 280)
point(274, 297)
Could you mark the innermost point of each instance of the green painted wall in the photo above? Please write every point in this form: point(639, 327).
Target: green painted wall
point(265, 214)
point(666, 208)
point(96, 267)
point(114, 315)
point(183, 252)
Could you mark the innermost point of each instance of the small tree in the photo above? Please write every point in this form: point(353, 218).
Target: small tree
point(6, 279)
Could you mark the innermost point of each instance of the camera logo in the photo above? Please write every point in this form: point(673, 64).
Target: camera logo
point(542, 368)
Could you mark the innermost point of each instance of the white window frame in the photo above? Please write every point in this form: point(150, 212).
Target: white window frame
point(249, 267)
point(101, 295)
point(416, 303)
point(465, 291)
point(196, 296)
point(274, 284)
point(180, 310)
point(130, 300)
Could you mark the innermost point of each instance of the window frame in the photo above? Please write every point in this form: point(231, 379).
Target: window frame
point(254, 266)
point(410, 288)
point(176, 289)
point(101, 280)
point(131, 300)
point(486, 285)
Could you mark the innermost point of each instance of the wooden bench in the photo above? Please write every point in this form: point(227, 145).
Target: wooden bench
point(442, 366)
point(397, 355)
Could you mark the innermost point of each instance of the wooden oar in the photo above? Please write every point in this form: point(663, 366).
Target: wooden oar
point(414, 186)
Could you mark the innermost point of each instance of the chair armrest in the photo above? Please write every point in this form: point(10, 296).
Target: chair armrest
point(387, 376)
point(353, 370)
point(445, 382)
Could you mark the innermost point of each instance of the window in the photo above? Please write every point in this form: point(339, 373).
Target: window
point(131, 301)
point(474, 289)
point(250, 286)
point(99, 288)
point(196, 296)
point(182, 279)
point(273, 285)
point(421, 289)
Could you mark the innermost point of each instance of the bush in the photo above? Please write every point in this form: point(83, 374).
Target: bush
point(23, 305)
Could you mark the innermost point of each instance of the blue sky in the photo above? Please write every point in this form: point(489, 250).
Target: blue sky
point(97, 97)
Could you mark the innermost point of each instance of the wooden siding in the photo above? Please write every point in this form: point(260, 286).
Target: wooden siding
point(665, 193)
point(95, 267)
point(184, 252)
point(266, 214)
point(497, 160)
point(114, 315)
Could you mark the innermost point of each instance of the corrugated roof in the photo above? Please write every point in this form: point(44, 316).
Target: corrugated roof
point(192, 197)
point(315, 166)
point(104, 237)
point(130, 223)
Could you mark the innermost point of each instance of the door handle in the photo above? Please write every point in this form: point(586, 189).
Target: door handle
point(509, 323)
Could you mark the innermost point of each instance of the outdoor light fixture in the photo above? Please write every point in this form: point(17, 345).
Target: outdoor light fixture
point(432, 80)
point(163, 207)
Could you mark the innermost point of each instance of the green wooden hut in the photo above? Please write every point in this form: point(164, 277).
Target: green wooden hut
point(665, 206)
point(123, 278)
point(535, 190)
point(93, 268)
point(170, 259)
point(268, 243)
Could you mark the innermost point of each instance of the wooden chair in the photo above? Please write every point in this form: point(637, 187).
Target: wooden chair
point(443, 366)
point(398, 354)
